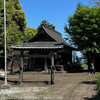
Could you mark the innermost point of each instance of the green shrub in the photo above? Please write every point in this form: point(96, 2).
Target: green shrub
point(98, 83)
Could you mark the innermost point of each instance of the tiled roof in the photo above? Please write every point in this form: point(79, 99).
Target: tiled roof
point(56, 41)
point(36, 47)
point(55, 35)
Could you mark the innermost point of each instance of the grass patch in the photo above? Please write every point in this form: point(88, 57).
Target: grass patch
point(16, 96)
point(42, 94)
point(84, 65)
point(52, 89)
point(98, 83)
point(0, 95)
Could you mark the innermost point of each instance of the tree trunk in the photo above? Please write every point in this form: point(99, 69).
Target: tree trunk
point(88, 58)
point(91, 59)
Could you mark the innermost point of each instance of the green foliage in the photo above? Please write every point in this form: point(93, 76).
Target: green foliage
point(84, 29)
point(79, 5)
point(44, 22)
point(84, 65)
point(28, 34)
point(98, 83)
point(15, 20)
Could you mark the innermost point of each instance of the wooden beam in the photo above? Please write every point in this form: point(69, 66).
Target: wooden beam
point(36, 56)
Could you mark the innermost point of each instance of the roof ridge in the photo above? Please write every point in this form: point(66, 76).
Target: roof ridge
point(52, 29)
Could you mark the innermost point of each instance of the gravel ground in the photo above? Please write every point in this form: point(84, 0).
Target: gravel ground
point(36, 86)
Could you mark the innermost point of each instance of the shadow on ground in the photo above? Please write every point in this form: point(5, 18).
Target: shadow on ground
point(36, 82)
point(96, 97)
point(88, 82)
point(33, 82)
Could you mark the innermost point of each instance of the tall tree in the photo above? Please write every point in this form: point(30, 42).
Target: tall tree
point(16, 22)
point(44, 22)
point(28, 34)
point(84, 29)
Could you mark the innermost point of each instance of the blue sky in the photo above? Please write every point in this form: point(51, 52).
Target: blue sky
point(56, 12)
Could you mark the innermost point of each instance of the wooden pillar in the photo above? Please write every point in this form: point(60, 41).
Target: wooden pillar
point(29, 63)
point(52, 68)
point(45, 64)
point(12, 64)
point(20, 80)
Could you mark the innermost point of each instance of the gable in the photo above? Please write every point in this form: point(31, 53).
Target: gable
point(42, 36)
point(47, 36)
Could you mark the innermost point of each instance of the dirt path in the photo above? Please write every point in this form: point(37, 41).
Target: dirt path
point(68, 86)
point(85, 91)
point(79, 86)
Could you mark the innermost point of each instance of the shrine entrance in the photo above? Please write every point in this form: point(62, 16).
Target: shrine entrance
point(44, 50)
